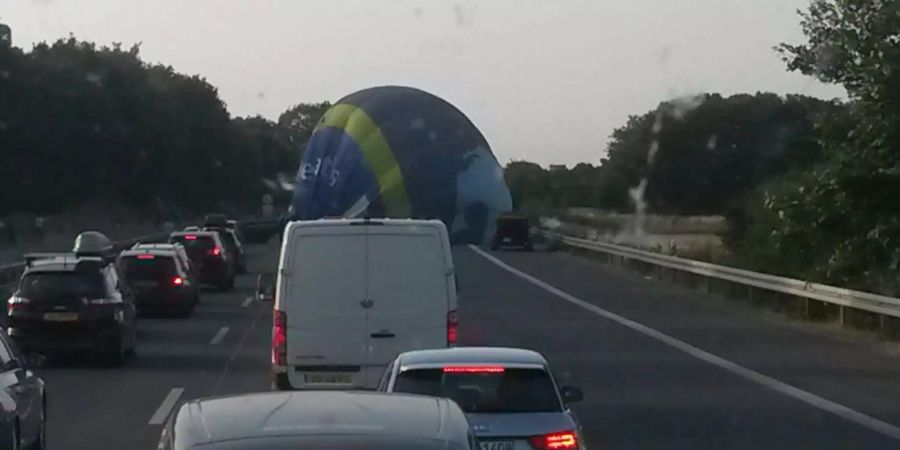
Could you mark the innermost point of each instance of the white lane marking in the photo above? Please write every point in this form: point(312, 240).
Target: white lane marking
point(220, 336)
point(809, 398)
point(168, 403)
point(247, 302)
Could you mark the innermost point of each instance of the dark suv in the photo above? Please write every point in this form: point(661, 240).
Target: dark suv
point(235, 248)
point(212, 263)
point(159, 281)
point(512, 231)
point(69, 302)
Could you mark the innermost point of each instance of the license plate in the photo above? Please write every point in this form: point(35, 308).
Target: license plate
point(497, 445)
point(507, 240)
point(328, 378)
point(61, 317)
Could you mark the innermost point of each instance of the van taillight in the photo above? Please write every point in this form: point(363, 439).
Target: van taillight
point(279, 339)
point(452, 328)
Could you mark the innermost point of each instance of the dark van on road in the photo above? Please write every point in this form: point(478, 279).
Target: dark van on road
point(159, 281)
point(69, 302)
point(212, 263)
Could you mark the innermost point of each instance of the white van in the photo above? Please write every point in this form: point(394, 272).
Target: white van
point(353, 294)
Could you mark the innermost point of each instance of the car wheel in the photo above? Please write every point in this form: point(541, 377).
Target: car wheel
point(41, 441)
point(495, 246)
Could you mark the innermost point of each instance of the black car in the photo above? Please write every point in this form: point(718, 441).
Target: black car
point(512, 231)
point(234, 245)
point(159, 281)
point(212, 262)
point(68, 303)
point(23, 400)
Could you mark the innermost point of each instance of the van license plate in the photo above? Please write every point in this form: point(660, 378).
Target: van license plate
point(61, 317)
point(497, 445)
point(328, 378)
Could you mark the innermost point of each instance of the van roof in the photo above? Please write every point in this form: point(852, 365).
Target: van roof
point(364, 222)
point(321, 412)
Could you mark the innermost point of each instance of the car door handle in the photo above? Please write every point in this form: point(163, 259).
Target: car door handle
point(383, 335)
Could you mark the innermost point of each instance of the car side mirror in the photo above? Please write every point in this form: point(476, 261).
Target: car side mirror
point(571, 394)
point(265, 287)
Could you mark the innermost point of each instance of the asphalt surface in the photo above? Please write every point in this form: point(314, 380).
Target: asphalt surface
point(641, 392)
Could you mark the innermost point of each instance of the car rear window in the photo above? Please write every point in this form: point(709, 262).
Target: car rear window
point(147, 267)
point(502, 390)
point(195, 244)
point(45, 285)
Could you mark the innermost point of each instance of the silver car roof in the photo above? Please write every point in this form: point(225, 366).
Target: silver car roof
point(473, 355)
point(309, 413)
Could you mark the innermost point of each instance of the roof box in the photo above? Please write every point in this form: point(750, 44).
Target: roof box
point(93, 243)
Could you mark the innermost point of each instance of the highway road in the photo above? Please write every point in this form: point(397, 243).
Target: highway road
point(661, 367)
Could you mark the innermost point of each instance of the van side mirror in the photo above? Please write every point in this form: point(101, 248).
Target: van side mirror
point(571, 394)
point(265, 287)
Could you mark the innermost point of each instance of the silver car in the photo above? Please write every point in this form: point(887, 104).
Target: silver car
point(322, 420)
point(509, 395)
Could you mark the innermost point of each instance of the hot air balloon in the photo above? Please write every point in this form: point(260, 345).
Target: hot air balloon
point(401, 152)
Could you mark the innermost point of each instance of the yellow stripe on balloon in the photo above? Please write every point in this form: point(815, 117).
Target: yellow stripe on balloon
point(377, 153)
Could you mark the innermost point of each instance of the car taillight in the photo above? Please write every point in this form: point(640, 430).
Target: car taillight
point(190, 237)
point(555, 441)
point(178, 281)
point(216, 251)
point(146, 256)
point(16, 303)
point(452, 328)
point(279, 339)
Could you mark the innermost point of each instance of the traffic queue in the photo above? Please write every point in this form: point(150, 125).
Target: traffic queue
point(371, 305)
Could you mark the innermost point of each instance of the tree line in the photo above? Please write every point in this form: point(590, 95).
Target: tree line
point(81, 123)
point(810, 187)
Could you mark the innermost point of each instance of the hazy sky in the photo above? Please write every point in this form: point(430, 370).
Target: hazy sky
point(545, 80)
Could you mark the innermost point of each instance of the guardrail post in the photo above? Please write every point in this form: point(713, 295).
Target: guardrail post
point(842, 315)
point(707, 285)
point(750, 294)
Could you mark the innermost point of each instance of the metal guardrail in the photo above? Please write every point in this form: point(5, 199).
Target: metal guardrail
point(879, 304)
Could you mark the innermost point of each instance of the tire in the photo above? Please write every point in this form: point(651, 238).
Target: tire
point(41, 442)
point(495, 246)
point(281, 383)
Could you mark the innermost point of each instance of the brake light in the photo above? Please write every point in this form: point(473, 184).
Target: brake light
point(555, 441)
point(452, 328)
point(216, 251)
point(279, 339)
point(16, 303)
point(190, 237)
point(474, 369)
point(178, 281)
point(145, 257)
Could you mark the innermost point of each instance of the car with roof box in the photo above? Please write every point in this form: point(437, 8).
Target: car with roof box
point(72, 302)
point(509, 395)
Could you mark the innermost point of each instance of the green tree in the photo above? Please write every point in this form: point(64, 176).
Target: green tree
point(843, 220)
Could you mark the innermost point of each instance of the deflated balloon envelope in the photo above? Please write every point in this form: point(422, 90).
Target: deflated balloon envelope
point(401, 152)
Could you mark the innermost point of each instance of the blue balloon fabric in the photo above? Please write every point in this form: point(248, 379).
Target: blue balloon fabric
point(401, 152)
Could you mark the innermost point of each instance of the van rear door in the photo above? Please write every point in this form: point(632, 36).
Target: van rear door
point(323, 288)
point(408, 287)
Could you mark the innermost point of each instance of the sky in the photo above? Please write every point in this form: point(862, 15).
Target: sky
point(545, 81)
